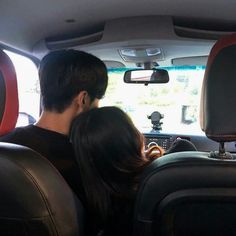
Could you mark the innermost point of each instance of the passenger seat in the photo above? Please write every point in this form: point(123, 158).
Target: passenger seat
point(194, 193)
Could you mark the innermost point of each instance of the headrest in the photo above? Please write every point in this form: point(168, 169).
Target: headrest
point(218, 99)
point(8, 95)
point(35, 199)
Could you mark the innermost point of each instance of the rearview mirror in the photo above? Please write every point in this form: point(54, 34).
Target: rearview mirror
point(155, 76)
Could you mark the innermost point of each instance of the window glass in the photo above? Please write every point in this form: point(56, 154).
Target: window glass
point(28, 88)
point(178, 100)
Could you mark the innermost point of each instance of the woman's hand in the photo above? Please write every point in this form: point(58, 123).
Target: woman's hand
point(154, 152)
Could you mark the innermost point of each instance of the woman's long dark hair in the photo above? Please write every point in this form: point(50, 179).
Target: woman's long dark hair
point(108, 149)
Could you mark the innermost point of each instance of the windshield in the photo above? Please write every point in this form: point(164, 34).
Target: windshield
point(178, 100)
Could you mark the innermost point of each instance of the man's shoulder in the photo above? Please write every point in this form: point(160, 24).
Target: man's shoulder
point(23, 134)
point(48, 143)
point(33, 134)
point(17, 134)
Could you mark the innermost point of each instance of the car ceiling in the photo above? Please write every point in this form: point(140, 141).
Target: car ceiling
point(30, 26)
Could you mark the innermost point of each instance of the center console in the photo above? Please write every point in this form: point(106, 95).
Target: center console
point(163, 141)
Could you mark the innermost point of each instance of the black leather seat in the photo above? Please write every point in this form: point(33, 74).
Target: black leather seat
point(194, 193)
point(34, 198)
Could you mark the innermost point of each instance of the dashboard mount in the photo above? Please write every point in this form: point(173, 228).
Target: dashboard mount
point(155, 118)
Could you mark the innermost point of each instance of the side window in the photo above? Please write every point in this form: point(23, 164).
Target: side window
point(28, 88)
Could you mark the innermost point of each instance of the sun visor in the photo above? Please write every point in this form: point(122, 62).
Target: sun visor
point(190, 61)
point(114, 64)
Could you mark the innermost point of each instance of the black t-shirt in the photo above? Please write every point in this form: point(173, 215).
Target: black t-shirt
point(54, 146)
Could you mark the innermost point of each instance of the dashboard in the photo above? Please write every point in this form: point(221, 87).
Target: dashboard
point(202, 143)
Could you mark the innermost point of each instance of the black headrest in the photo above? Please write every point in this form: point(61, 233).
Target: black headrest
point(187, 193)
point(8, 95)
point(218, 101)
point(34, 199)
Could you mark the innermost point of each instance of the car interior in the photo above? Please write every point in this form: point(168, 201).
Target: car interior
point(171, 69)
point(123, 38)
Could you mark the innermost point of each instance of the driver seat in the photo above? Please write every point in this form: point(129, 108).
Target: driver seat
point(34, 198)
point(194, 193)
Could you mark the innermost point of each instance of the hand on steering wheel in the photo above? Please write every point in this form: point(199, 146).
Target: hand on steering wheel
point(154, 152)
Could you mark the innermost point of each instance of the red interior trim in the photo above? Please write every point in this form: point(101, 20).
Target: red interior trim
point(221, 43)
point(11, 110)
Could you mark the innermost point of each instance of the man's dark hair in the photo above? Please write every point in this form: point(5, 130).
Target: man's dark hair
point(64, 74)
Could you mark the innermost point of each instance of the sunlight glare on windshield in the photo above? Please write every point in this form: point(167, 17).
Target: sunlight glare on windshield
point(177, 100)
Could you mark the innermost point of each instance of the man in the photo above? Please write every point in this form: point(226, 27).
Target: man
point(71, 82)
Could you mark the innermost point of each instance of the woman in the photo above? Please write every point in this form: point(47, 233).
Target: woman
point(110, 154)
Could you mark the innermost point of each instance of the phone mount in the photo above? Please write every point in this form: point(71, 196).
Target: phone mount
point(155, 118)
